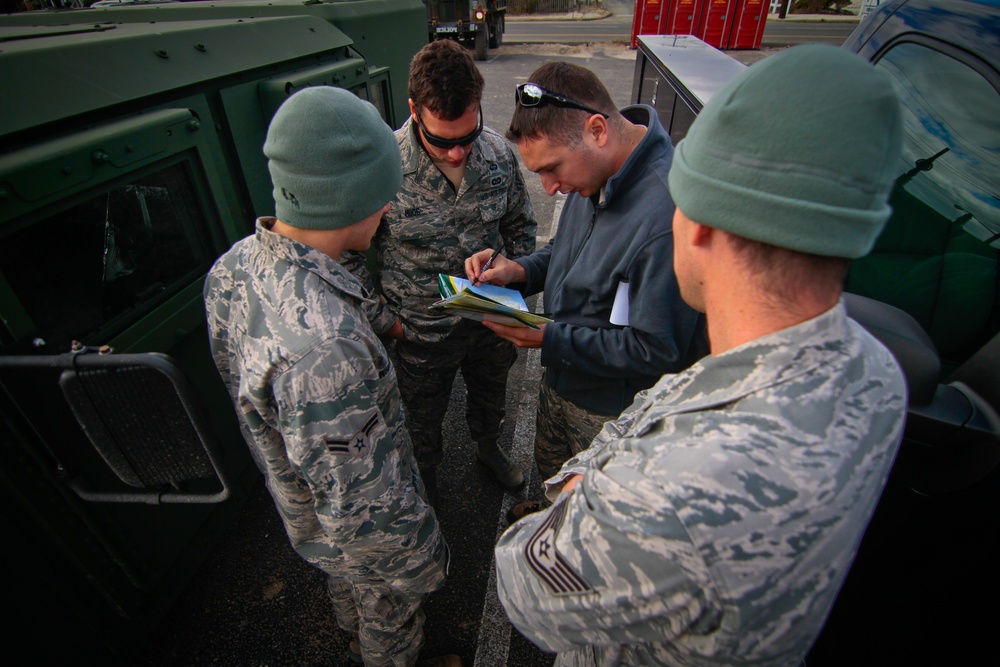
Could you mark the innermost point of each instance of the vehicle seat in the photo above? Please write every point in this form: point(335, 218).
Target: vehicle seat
point(930, 267)
point(910, 345)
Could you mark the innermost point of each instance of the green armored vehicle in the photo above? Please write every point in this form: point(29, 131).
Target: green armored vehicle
point(479, 24)
point(130, 158)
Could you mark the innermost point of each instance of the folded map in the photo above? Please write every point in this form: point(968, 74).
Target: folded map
point(485, 302)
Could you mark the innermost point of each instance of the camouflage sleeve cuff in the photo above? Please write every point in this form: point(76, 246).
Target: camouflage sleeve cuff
point(554, 485)
point(381, 317)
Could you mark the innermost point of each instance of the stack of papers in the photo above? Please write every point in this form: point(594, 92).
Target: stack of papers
point(485, 302)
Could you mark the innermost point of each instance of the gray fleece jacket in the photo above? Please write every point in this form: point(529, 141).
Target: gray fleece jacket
point(588, 360)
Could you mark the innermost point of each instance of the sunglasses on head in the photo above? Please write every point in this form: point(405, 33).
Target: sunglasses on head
point(533, 95)
point(441, 142)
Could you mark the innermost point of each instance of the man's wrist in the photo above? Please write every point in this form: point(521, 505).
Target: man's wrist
point(522, 272)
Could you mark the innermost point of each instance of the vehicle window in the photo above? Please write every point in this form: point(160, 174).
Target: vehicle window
point(937, 258)
point(128, 247)
point(377, 94)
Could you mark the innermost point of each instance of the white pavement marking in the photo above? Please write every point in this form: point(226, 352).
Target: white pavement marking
point(493, 642)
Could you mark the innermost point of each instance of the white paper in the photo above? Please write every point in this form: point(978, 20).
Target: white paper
point(619, 310)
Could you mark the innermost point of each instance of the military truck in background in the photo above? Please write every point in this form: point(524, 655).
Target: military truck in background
point(131, 158)
point(479, 24)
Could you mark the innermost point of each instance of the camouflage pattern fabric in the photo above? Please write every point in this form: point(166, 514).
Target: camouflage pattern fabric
point(393, 635)
point(717, 518)
point(431, 229)
point(562, 430)
point(318, 404)
point(426, 373)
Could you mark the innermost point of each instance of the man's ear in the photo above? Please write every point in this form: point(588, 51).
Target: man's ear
point(596, 128)
point(701, 235)
point(413, 108)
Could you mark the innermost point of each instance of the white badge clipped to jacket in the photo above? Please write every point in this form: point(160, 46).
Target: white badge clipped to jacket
point(619, 310)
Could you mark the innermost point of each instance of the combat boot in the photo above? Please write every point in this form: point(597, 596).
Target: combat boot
point(354, 650)
point(523, 509)
point(429, 475)
point(507, 472)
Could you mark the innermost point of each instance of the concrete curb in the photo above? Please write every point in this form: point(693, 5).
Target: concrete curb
point(815, 18)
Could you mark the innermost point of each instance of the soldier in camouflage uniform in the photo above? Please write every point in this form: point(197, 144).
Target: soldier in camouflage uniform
point(462, 191)
point(314, 388)
point(714, 522)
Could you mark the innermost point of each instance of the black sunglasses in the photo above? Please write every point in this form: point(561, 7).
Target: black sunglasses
point(441, 142)
point(533, 95)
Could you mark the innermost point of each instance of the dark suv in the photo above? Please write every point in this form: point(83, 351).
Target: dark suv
point(924, 585)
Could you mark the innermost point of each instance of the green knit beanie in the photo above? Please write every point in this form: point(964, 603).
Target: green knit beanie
point(799, 151)
point(333, 160)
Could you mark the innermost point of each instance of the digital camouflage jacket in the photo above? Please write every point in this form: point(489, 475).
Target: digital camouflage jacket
point(317, 401)
point(717, 518)
point(629, 239)
point(431, 229)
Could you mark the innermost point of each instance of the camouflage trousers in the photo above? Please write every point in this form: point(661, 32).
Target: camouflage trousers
point(426, 371)
point(388, 622)
point(562, 430)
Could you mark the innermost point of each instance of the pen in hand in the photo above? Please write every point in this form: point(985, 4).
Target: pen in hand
point(488, 263)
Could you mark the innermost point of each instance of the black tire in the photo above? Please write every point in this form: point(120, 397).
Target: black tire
point(496, 33)
point(481, 44)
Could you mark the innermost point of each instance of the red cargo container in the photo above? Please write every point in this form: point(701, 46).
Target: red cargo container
point(665, 17)
point(682, 16)
point(716, 17)
point(748, 26)
point(647, 19)
point(725, 24)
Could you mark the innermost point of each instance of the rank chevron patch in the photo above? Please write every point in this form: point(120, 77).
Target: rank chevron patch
point(357, 445)
point(545, 561)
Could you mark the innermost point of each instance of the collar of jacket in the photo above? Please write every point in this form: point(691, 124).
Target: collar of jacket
point(766, 361)
point(656, 143)
point(299, 254)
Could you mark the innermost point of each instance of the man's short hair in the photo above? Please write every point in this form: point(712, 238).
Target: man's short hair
point(444, 79)
point(786, 273)
point(559, 124)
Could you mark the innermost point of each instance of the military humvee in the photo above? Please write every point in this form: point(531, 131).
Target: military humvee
point(473, 23)
point(131, 158)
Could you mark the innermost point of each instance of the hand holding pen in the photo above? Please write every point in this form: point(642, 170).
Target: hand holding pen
point(489, 263)
point(505, 271)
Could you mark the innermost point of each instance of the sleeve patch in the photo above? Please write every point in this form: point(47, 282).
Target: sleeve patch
point(358, 445)
point(543, 559)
